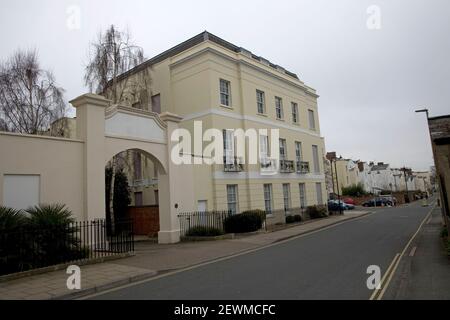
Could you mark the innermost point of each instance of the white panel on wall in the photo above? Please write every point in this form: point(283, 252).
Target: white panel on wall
point(21, 191)
point(126, 125)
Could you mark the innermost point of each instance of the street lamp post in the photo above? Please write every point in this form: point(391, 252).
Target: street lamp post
point(406, 185)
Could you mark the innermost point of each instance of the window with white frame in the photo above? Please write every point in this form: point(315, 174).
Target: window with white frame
point(232, 198)
point(298, 151)
point(315, 151)
point(228, 146)
point(302, 188)
point(319, 193)
point(294, 112)
point(263, 147)
point(287, 196)
point(279, 107)
point(260, 102)
point(283, 150)
point(268, 198)
point(225, 93)
point(312, 121)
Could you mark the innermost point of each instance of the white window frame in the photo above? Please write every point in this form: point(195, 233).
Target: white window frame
point(263, 146)
point(225, 95)
point(319, 194)
point(279, 108)
point(268, 198)
point(283, 146)
point(302, 194)
point(228, 146)
point(311, 119)
point(260, 102)
point(315, 154)
point(287, 196)
point(298, 151)
point(294, 107)
point(233, 204)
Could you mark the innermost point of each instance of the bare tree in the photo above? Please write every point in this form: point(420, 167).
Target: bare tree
point(112, 54)
point(30, 99)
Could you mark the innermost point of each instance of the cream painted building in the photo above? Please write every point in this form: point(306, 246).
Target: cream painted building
point(343, 173)
point(224, 86)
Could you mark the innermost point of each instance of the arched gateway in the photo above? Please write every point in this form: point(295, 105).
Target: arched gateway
point(107, 131)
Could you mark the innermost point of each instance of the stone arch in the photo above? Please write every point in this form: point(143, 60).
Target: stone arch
point(107, 131)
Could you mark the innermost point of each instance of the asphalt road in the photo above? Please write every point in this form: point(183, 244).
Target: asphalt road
point(329, 264)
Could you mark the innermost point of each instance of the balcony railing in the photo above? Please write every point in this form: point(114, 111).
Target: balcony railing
point(232, 164)
point(287, 166)
point(302, 167)
point(144, 182)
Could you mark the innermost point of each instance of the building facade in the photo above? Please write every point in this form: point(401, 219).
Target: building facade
point(209, 81)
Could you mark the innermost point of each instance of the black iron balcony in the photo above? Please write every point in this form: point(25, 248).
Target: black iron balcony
point(287, 166)
point(302, 167)
point(232, 164)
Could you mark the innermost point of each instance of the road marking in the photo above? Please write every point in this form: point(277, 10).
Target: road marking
point(412, 252)
point(224, 258)
point(376, 291)
point(429, 220)
point(380, 296)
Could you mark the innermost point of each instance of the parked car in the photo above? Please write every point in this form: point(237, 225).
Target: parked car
point(333, 205)
point(390, 199)
point(349, 201)
point(378, 202)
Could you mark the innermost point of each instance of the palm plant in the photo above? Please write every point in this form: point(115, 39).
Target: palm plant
point(11, 219)
point(54, 234)
point(11, 222)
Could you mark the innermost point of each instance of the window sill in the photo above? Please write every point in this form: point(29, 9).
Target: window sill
point(225, 106)
point(296, 124)
point(280, 119)
point(262, 114)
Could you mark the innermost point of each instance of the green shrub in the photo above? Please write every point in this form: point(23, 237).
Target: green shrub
point(247, 221)
point(38, 237)
point(294, 218)
point(316, 212)
point(55, 240)
point(11, 244)
point(11, 219)
point(203, 231)
point(354, 190)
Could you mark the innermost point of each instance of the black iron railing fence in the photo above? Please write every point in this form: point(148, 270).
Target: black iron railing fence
point(30, 247)
point(209, 219)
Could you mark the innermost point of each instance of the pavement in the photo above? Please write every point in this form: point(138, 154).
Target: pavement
point(424, 270)
point(330, 263)
point(153, 260)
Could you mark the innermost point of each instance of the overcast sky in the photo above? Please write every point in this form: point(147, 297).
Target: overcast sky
point(370, 80)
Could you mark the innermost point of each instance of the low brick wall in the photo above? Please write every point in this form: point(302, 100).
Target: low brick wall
point(400, 196)
point(145, 220)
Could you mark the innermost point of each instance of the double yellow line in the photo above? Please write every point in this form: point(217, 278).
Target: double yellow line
point(387, 277)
